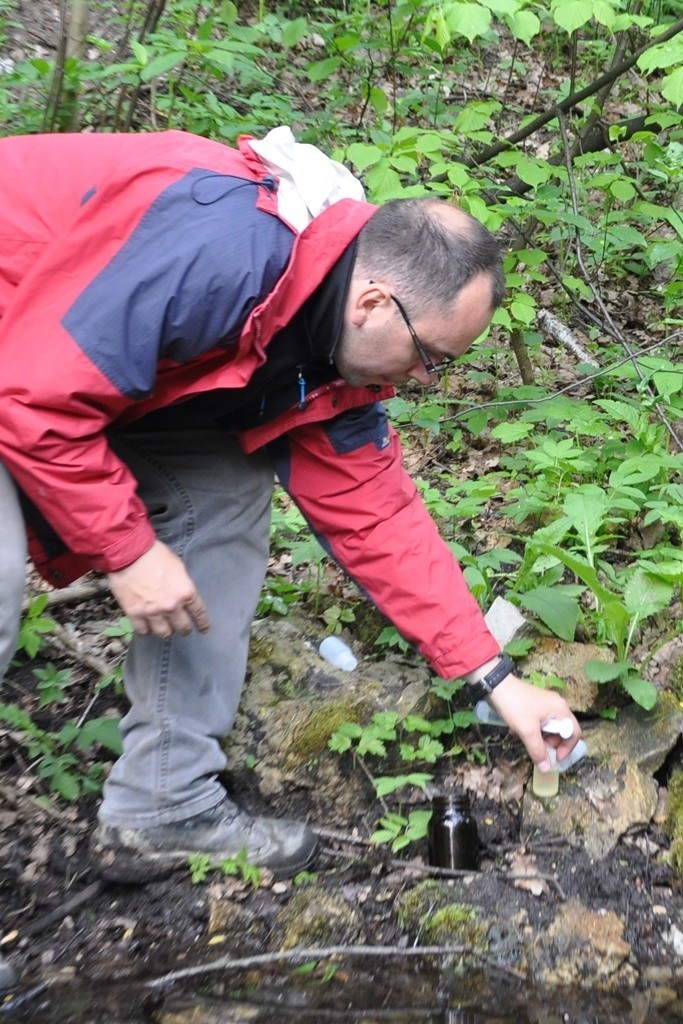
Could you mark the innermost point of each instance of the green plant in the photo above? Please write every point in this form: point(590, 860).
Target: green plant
point(52, 684)
point(55, 754)
point(399, 831)
point(201, 866)
point(34, 626)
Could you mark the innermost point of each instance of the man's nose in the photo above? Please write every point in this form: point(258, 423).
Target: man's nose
point(419, 373)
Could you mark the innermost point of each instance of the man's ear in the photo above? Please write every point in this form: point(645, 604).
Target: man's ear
point(366, 297)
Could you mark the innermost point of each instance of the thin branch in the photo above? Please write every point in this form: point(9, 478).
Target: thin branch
point(228, 963)
point(514, 403)
point(371, 778)
point(521, 353)
point(572, 100)
point(60, 912)
point(340, 837)
point(601, 98)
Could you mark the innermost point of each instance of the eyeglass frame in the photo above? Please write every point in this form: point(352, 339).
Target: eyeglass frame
point(430, 366)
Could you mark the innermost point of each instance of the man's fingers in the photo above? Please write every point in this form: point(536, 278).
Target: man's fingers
point(179, 621)
point(197, 611)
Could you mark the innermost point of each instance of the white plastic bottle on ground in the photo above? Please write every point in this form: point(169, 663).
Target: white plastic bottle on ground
point(335, 651)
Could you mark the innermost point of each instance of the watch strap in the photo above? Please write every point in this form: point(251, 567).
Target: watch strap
point(497, 674)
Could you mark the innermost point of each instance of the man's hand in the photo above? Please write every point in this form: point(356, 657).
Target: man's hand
point(526, 709)
point(158, 596)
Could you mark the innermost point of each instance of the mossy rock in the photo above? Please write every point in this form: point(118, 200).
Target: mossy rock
point(430, 911)
point(674, 821)
point(310, 735)
point(316, 917)
point(676, 679)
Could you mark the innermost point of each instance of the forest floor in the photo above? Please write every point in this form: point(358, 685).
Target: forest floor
point(59, 920)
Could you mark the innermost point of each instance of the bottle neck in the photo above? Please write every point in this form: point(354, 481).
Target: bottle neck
point(456, 801)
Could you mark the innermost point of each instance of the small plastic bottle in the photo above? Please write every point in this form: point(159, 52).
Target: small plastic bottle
point(338, 654)
point(546, 784)
point(452, 836)
point(579, 751)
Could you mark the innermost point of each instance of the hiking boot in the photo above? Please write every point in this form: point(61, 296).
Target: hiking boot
point(142, 854)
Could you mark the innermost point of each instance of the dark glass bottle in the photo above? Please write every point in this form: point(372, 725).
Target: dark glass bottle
point(452, 837)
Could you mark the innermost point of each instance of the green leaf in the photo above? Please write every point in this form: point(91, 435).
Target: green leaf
point(523, 312)
point(641, 691)
point(635, 471)
point(470, 20)
point(646, 595)
point(383, 182)
point(362, 155)
point(668, 383)
point(559, 612)
point(604, 671)
point(101, 730)
point(378, 99)
point(534, 172)
point(141, 54)
point(524, 25)
point(613, 613)
point(294, 31)
point(604, 13)
point(623, 190)
point(672, 87)
point(322, 69)
point(436, 21)
point(161, 64)
point(664, 55)
point(586, 508)
point(573, 14)
point(509, 433)
point(390, 783)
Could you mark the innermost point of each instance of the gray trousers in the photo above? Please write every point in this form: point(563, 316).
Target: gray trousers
point(12, 567)
point(211, 504)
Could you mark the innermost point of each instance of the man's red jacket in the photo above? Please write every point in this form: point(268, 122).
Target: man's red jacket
point(139, 270)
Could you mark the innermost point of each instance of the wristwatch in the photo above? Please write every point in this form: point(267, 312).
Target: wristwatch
point(483, 688)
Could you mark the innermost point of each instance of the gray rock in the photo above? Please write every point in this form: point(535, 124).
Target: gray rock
point(8, 977)
point(505, 621)
point(292, 703)
point(644, 738)
point(583, 948)
point(595, 807)
point(567, 661)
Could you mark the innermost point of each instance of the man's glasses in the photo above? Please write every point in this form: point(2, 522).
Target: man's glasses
point(429, 365)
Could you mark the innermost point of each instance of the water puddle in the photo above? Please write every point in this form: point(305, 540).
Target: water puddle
point(388, 996)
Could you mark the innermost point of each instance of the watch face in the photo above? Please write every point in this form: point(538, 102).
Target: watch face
point(479, 691)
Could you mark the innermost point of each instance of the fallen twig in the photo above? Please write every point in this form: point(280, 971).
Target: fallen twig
point(60, 912)
point(64, 639)
point(78, 592)
point(341, 837)
point(25, 997)
point(536, 877)
point(561, 333)
point(228, 963)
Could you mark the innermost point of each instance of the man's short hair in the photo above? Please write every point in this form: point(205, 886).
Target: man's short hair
point(427, 250)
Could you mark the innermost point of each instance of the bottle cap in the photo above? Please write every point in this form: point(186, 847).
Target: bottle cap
point(563, 727)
